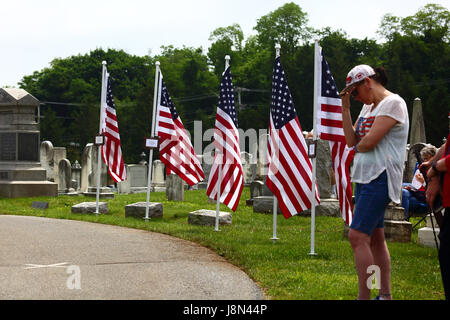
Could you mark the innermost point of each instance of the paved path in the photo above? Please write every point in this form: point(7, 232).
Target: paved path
point(43, 258)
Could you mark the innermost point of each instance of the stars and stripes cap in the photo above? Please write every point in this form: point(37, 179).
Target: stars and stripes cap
point(356, 75)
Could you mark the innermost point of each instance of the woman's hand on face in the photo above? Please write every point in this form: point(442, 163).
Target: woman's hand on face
point(346, 101)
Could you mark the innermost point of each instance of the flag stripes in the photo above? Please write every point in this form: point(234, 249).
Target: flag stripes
point(226, 140)
point(290, 169)
point(175, 148)
point(342, 157)
point(291, 184)
point(111, 150)
point(227, 154)
point(329, 123)
point(329, 120)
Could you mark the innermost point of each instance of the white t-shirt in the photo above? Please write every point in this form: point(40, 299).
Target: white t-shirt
point(390, 152)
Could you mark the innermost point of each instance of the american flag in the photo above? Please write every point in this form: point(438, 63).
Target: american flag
point(290, 170)
point(329, 125)
point(175, 148)
point(228, 154)
point(111, 150)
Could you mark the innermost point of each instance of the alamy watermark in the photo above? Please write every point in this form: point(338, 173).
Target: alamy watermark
point(251, 141)
point(74, 280)
point(373, 281)
point(74, 271)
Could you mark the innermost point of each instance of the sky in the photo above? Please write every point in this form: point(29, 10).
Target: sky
point(36, 32)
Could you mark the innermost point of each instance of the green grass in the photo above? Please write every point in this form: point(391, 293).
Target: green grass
point(284, 270)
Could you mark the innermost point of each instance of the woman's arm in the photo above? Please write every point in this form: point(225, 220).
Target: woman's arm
point(380, 128)
point(349, 128)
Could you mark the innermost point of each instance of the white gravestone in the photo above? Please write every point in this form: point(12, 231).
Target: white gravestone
point(174, 188)
point(65, 176)
point(248, 167)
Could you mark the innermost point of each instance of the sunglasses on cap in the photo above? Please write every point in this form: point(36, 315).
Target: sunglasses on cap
point(354, 91)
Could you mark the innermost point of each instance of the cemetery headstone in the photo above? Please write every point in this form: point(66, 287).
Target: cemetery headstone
point(137, 210)
point(40, 205)
point(248, 167)
point(89, 207)
point(326, 208)
point(46, 153)
point(208, 218)
point(264, 204)
point(323, 169)
point(174, 188)
point(86, 166)
point(89, 174)
point(21, 173)
point(138, 176)
point(417, 135)
point(124, 187)
point(258, 189)
point(262, 167)
point(76, 175)
point(65, 176)
point(426, 236)
point(158, 183)
point(94, 167)
point(59, 153)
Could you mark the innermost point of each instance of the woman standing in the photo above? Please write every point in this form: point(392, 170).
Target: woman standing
point(379, 138)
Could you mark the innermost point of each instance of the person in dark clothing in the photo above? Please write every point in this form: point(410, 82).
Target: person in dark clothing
point(438, 173)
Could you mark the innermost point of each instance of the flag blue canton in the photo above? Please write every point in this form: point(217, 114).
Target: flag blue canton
point(329, 89)
point(166, 101)
point(281, 107)
point(109, 96)
point(226, 99)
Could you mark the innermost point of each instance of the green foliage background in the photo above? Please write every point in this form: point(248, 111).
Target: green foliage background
point(415, 52)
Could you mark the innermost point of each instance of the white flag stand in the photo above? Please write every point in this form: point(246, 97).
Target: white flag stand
point(313, 160)
point(275, 200)
point(99, 154)
point(219, 154)
point(156, 96)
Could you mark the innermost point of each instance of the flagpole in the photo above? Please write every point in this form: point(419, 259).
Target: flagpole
point(313, 180)
point(275, 200)
point(219, 154)
point(156, 95)
point(102, 102)
point(218, 194)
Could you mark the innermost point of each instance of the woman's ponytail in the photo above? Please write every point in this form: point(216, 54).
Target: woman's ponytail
point(380, 76)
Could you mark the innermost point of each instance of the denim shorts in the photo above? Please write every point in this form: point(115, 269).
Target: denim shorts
point(371, 201)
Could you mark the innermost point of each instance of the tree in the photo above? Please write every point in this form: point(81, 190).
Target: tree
point(389, 26)
point(74, 83)
point(416, 57)
point(226, 41)
point(189, 81)
point(286, 25)
point(52, 128)
point(431, 21)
